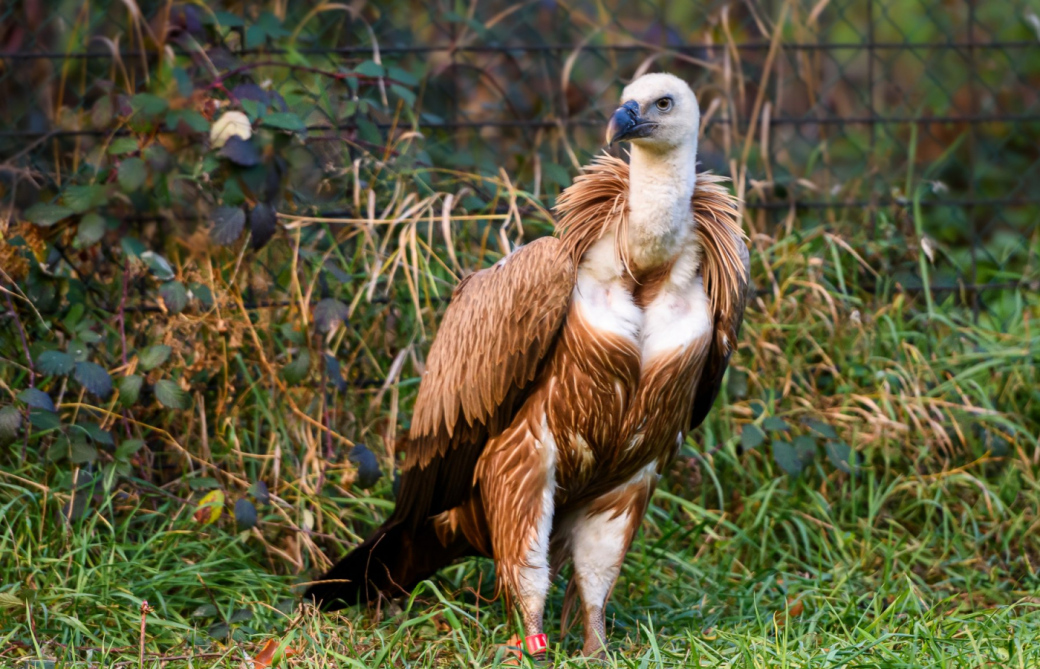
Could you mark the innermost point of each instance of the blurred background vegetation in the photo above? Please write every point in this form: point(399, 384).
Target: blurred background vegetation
point(229, 231)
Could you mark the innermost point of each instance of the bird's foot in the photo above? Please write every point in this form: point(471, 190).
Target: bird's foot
point(595, 651)
point(534, 645)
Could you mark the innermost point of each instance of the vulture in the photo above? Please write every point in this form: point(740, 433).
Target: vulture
point(564, 378)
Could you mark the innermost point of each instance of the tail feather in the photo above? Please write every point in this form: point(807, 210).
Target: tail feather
point(394, 560)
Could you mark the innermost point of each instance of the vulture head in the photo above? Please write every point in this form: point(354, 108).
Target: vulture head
point(658, 112)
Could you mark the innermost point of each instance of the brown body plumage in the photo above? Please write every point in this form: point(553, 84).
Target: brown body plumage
point(560, 385)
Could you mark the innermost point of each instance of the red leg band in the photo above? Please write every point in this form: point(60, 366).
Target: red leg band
point(536, 643)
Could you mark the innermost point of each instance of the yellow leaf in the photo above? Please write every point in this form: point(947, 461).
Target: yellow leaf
point(210, 508)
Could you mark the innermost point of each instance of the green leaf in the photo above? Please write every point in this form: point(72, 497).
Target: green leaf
point(786, 456)
point(558, 175)
point(82, 452)
point(368, 472)
point(254, 109)
point(160, 266)
point(255, 36)
point(101, 113)
point(121, 146)
point(405, 94)
point(78, 349)
point(180, 119)
point(284, 121)
point(296, 370)
point(130, 389)
point(37, 399)
point(153, 356)
point(774, 424)
point(133, 247)
point(751, 437)
point(94, 378)
point(158, 158)
point(228, 223)
point(148, 105)
point(96, 434)
point(736, 382)
point(127, 448)
point(202, 293)
point(204, 483)
point(402, 76)
point(74, 315)
point(841, 456)
point(245, 514)
point(370, 68)
point(262, 224)
point(46, 215)
point(329, 314)
point(225, 19)
point(805, 446)
point(89, 336)
point(171, 396)
point(260, 493)
point(10, 423)
point(821, 428)
point(90, 231)
point(82, 199)
point(132, 174)
point(174, 295)
point(334, 373)
point(369, 132)
point(44, 420)
point(55, 363)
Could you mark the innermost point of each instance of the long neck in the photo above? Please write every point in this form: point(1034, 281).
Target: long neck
point(661, 185)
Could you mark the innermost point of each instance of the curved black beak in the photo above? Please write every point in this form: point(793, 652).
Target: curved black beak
point(627, 124)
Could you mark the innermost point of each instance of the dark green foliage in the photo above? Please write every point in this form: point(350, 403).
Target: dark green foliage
point(751, 437)
point(174, 296)
point(368, 472)
point(94, 378)
point(296, 371)
point(153, 356)
point(262, 225)
point(10, 423)
point(228, 223)
point(245, 514)
point(171, 395)
point(130, 389)
point(55, 363)
point(330, 314)
point(37, 399)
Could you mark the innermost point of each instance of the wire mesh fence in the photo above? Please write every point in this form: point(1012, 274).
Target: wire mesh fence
point(899, 127)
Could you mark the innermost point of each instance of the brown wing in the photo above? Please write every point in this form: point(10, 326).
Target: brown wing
point(726, 271)
point(493, 338)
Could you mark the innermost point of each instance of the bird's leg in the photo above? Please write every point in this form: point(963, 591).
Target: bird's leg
point(531, 582)
point(599, 539)
point(517, 480)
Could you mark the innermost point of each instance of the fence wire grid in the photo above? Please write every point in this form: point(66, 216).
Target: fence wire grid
point(902, 126)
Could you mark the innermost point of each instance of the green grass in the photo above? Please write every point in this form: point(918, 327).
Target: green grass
point(737, 565)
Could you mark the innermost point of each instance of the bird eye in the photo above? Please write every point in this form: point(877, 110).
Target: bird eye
point(664, 104)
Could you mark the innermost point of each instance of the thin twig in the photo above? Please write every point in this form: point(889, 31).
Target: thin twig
point(25, 343)
point(145, 610)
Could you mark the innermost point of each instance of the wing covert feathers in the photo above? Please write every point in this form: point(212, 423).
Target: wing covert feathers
point(499, 326)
